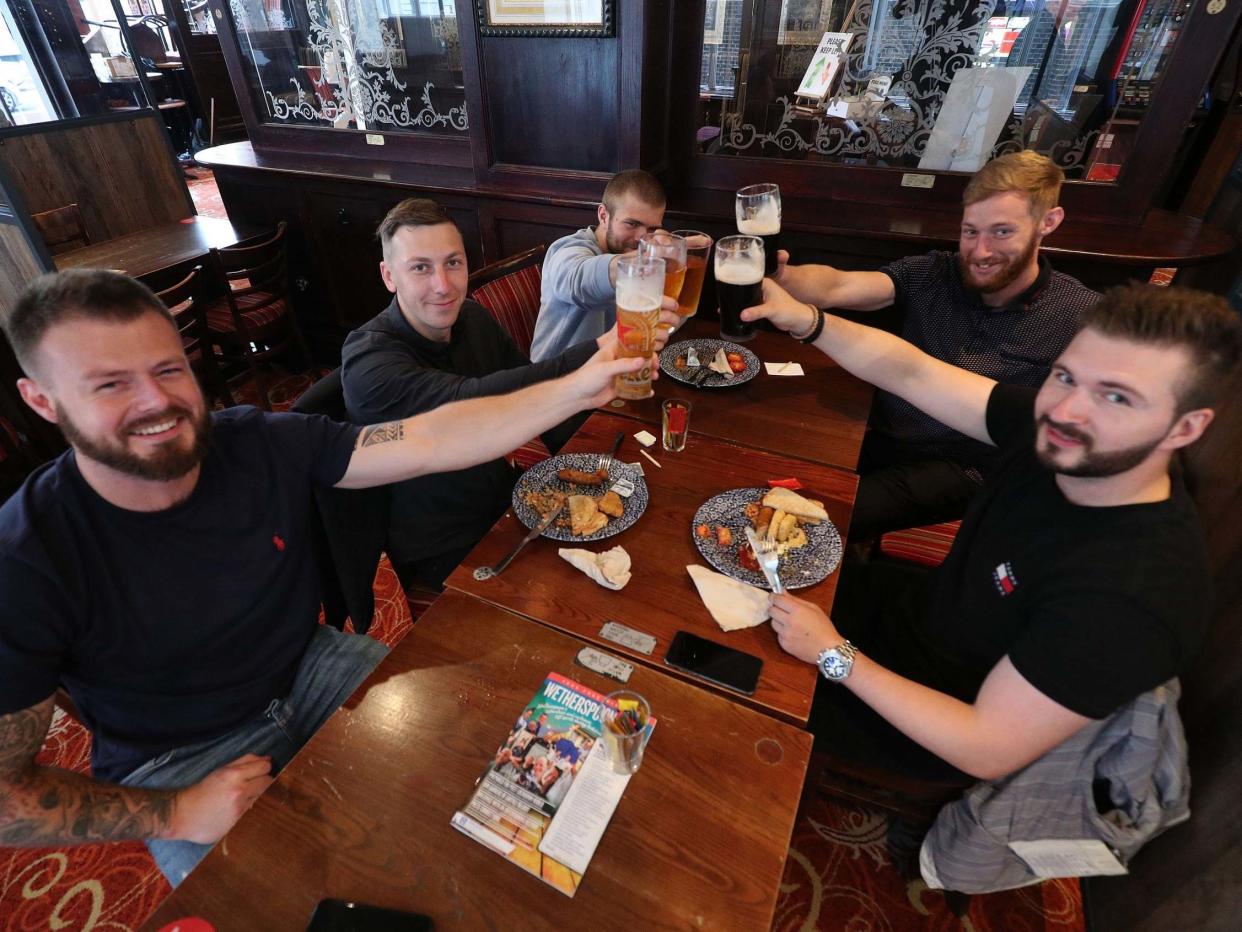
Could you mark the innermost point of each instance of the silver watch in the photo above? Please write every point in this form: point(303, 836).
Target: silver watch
point(836, 663)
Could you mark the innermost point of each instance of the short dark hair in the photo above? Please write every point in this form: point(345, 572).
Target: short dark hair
point(412, 212)
point(1202, 323)
point(94, 294)
point(642, 185)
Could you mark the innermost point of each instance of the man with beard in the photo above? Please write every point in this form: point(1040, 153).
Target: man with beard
point(162, 569)
point(578, 298)
point(1079, 578)
point(995, 307)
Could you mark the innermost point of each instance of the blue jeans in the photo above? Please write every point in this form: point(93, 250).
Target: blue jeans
point(332, 667)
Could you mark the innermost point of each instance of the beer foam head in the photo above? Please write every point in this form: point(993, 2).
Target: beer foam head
point(766, 221)
point(636, 295)
point(739, 270)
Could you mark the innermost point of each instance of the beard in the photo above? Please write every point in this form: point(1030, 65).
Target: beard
point(1008, 274)
point(615, 244)
point(168, 462)
point(1091, 465)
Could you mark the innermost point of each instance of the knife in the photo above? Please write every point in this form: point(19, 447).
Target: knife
point(534, 532)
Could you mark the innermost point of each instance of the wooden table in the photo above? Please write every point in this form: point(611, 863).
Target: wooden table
point(820, 416)
point(660, 599)
point(362, 813)
point(158, 249)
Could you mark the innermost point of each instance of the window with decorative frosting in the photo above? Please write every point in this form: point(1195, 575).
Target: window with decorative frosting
point(932, 84)
point(379, 66)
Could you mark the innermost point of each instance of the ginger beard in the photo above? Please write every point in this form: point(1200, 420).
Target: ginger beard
point(168, 461)
point(1011, 267)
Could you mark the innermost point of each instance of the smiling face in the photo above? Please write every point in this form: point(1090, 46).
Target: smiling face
point(123, 394)
point(629, 221)
point(1110, 405)
point(999, 244)
point(425, 267)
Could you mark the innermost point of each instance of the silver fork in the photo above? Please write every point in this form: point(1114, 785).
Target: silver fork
point(769, 559)
point(605, 461)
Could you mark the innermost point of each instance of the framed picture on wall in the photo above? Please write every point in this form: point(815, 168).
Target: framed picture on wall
point(571, 18)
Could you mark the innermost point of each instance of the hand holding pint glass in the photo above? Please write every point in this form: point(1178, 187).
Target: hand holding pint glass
point(698, 250)
point(640, 292)
point(759, 214)
point(672, 249)
point(739, 284)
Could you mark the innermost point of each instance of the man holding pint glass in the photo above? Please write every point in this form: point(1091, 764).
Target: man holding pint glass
point(739, 283)
point(759, 214)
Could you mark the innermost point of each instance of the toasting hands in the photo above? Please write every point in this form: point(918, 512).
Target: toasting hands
point(783, 309)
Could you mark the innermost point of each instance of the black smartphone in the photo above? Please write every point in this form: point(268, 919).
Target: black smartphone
point(344, 916)
point(715, 662)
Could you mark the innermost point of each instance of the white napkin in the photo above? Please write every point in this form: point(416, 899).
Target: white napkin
point(732, 603)
point(611, 569)
point(784, 368)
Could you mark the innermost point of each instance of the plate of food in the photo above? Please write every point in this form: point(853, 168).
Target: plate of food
point(807, 541)
point(709, 363)
point(594, 508)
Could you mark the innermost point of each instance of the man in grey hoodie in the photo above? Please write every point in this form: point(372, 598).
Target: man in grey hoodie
point(578, 300)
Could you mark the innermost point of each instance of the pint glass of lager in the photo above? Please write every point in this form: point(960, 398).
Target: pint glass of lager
point(759, 214)
point(640, 291)
point(672, 249)
point(698, 249)
point(739, 283)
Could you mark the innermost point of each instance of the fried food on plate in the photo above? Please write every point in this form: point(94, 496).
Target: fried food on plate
point(582, 477)
point(791, 502)
point(610, 504)
point(585, 516)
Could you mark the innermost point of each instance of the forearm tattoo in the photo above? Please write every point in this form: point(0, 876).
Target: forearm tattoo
point(381, 433)
point(44, 806)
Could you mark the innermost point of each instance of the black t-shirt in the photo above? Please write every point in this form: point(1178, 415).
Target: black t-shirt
point(1093, 606)
point(168, 627)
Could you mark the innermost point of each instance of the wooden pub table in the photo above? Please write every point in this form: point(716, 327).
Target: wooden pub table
point(157, 249)
point(661, 599)
point(363, 813)
point(820, 416)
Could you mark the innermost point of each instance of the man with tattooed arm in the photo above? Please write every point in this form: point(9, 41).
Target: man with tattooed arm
point(161, 570)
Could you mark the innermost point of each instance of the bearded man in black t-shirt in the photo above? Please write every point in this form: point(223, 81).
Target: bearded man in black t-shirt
point(1078, 580)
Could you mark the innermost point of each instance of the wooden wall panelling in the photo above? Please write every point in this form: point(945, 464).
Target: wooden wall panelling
point(519, 226)
point(121, 174)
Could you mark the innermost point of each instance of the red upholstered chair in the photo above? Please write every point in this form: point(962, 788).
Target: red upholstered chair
point(183, 300)
point(510, 290)
point(252, 322)
point(927, 545)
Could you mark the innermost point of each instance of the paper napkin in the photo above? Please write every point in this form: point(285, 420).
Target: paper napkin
point(784, 368)
point(611, 569)
point(731, 603)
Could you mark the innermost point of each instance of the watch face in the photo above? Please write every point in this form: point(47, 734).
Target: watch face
point(834, 666)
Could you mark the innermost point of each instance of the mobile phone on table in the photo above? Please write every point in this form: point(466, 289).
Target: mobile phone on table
point(344, 916)
point(717, 663)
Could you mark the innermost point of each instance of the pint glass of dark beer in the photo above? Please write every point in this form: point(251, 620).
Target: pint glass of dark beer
point(739, 283)
point(759, 214)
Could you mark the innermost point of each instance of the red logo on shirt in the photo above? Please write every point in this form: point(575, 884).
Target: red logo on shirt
point(1004, 578)
point(278, 542)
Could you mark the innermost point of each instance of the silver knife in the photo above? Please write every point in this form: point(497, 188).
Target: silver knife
point(488, 572)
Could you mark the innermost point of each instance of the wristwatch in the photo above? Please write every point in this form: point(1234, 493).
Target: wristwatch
point(836, 663)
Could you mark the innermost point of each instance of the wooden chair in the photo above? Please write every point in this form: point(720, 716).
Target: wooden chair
point(183, 301)
point(252, 322)
point(510, 290)
point(62, 229)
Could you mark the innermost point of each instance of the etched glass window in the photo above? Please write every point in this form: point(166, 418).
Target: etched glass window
point(368, 65)
point(933, 84)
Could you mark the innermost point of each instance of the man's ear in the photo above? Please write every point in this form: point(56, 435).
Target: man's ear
point(39, 400)
point(386, 275)
point(601, 215)
point(1052, 220)
point(1188, 428)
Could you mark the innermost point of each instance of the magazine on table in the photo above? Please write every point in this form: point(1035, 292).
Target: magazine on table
point(547, 795)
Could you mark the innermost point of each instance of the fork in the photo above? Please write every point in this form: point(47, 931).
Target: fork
point(605, 461)
point(769, 559)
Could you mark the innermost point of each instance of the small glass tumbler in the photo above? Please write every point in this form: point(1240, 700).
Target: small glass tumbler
point(625, 730)
point(676, 421)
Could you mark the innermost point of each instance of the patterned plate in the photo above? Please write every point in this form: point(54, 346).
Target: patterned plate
point(706, 350)
point(542, 476)
point(799, 568)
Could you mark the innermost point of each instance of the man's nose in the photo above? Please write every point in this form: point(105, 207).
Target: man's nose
point(1072, 408)
point(151, 394)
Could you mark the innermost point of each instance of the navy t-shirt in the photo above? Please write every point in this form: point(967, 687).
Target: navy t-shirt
point(170, 627)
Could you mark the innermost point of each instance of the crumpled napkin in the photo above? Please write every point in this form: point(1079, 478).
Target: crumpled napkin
point(732, 604)
point(611, 569)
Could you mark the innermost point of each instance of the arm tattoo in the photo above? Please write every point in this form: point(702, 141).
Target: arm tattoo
point(45, 806)
point(381, 433)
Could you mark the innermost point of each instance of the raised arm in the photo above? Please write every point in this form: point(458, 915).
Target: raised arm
point(824, 286)
point(46, 806)
point(953, 396)
point(464, 433)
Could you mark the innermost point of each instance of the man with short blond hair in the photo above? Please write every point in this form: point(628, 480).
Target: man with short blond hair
point(995, 307)
point(579, 289)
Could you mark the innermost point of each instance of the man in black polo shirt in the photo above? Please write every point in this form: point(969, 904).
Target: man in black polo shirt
point(161, 570)
point(1078, 580)
point(995, 307)
point(429, 347)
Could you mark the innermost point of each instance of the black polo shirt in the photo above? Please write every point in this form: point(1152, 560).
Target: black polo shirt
point(1015, 344)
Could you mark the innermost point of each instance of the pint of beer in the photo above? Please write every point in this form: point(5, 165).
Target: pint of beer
point(640, 291)
point(672, 249)
point(759, 214)
point(698, 249)
point(739, 283)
